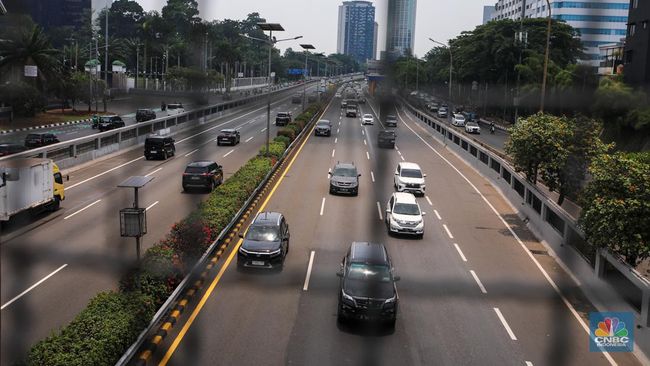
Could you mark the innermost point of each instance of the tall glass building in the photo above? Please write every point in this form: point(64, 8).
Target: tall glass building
point(600, 22)
point(400, 37)
point(357, 28)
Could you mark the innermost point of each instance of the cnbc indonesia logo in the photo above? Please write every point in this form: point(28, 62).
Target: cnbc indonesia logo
point(611, 332)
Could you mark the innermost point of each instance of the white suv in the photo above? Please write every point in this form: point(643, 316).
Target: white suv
point(368, 119)
point(403, 215)
point(409, 178)
point(175, 108)
point(458, 120)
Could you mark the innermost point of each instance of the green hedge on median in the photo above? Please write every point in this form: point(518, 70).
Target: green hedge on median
point(111, 322)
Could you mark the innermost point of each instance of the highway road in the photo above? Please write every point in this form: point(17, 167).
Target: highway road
point(478, 289)
point(51, 267)
point(125, 106)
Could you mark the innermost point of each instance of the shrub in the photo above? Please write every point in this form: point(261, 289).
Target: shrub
point(276, 149)
point(191, 237)
point(99, 334)
point(159, 273)
point(288, 133)
point(283, 139)
point(25, 99)
point(296, 129)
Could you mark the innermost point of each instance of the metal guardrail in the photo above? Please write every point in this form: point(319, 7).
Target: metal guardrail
point(73, 148)
point(197, 269)
point(554, 224)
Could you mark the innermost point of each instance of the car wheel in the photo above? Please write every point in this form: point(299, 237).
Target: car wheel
point(147, 157)
point(420, 236)
point(211, 186)
point(185, 188)
point(340, 318)
point(55, 204)
point(391, 323)
point(164, 155)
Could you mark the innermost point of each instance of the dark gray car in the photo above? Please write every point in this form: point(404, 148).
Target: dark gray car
point(266, 243)
point(344, 178)
point(323, 128)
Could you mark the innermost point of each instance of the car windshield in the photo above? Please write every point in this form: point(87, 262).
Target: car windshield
point(411, 173)
point(460, 117)
point(263, 233)
point(344, 172)
point(323, 124)
point(367, 116)
point(33, 136)
point(391, 118)
point(174, 106)
point(406, 209)
point(472, 124)
point(369, 272)
point(283, 114)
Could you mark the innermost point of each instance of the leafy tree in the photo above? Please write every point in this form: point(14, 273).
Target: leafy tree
point(566, 171)
point(538, 140)
point(29, 46)
point(616, 206)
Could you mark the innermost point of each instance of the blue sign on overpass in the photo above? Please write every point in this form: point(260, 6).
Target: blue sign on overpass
point(295, 71)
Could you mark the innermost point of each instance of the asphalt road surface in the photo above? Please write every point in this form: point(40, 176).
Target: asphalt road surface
point(52, 266)
point(471, 291)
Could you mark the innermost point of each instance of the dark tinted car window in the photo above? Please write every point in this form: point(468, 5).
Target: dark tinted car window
point(58, 178)
point(369, 272)
point(33, 136)
point(411, 173)
point(196, 170)
point(154, 142)
point(344, 172)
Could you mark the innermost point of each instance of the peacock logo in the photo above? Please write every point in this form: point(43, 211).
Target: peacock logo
point(611, 327)
point(611, 332)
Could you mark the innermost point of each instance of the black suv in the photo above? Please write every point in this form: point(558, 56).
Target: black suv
point(202, 174)
point(8, 149)
point(266, 243)
point(282, 118)
point(144, 115)
point(386, 138)
point(228, 136)
point(40, 139)
point(107, 123)
point(367, 288)
point(391, 120)
point(344, 178)
point(159, 147)
point(323, 128)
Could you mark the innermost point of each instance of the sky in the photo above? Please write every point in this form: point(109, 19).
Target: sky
point(316, 20)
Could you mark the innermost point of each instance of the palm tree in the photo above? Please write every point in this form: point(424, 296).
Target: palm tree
point(29, 46)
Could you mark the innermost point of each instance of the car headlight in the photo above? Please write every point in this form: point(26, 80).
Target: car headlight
point(276, 252)
point(391, 301)
point(348, 298)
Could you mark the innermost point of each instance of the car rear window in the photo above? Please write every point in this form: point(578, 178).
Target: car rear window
point(283, 115)
point(154, 142)
point(174, 106)
point(33, 136)
point(196, 169)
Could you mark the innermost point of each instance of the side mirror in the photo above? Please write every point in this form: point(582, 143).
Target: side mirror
point(396, 278)
point(67, 177)
point(388, 210)
point(339, 274)
point(358, 175)
point(423, 214)
point(424, 175)
point(329, 173)
point(396, 173)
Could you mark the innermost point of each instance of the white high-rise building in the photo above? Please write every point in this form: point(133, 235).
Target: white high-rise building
point(599, 22)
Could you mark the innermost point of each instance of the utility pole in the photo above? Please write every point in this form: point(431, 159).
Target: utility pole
point(522, 43)
point(548, 45)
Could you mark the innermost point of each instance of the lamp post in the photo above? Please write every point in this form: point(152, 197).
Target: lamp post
point(451, 64)
point(548, 44)
point(270, 42)
point(305, 47)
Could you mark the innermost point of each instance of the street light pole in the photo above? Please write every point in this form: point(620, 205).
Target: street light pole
point(548, 44)
point(306, 47)
point(451, 64)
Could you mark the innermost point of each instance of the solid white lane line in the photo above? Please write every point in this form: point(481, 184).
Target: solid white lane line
point(336, 139)
point(229, 152)
point(305, 287)
point(322, 206)
point(32, 287)
point(429, 200)
point(151, 205)
point(447, 230)
point(399, 152)
point(401, 157)
point(364, 142)
point(363, 132)
point(333, 151)
point(106, 172)
point(372, 176)
point(368, 155)
point(83, 209)
point(250, 138)
point(191, 152)
point(154, 172)
point(381, 218)
point(528, 363)
point(437, 214)
point(548, 278)
point(264, 129)
point(505, 324)
point(460, 252)
point(478, 282)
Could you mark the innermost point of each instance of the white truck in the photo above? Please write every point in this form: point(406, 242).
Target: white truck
point(29, 184)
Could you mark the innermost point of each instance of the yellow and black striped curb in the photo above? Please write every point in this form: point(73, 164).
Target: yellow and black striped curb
point(150, 347)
